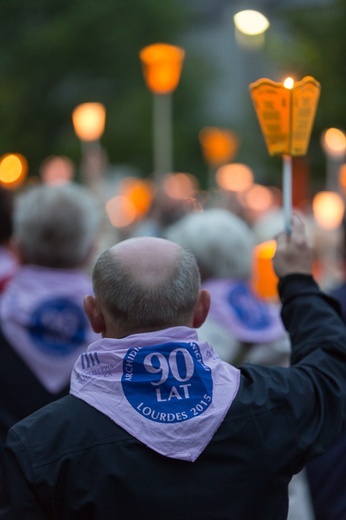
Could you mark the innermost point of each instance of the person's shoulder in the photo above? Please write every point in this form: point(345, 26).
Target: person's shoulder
point(67, 409)
point(63, 427)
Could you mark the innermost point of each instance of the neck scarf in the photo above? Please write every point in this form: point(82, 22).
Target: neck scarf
point(164, 388)
point(239, 310)
point(42, 318)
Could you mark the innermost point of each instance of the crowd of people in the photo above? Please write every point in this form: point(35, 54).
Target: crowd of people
point(151, 380)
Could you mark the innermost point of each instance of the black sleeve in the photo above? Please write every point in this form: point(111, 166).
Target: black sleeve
point(318, 371)
point(311, 317)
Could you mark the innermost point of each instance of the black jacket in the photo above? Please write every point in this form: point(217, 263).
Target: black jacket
point(21, 393)
point(68, 461)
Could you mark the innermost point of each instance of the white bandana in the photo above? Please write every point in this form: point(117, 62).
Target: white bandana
point(236, 307)
point(42, 318)
point(164, 388)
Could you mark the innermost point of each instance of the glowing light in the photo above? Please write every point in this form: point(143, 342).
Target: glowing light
point(139, 191)
point(293, 109)
point(234, 177)
point(328, 209)
point(342, 176)
point(13, 170)
point(89, 121)
point(57, 170)
point(289, 83)
point(180, 185)
point(121, 211)
point(162, 64)
point(264, 279)
point(259, 198)
point(251, 22)
point(333, 142)
point(218, 145)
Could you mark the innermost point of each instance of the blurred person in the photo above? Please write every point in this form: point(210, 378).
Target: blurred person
point(156, 424)
point(327, 473)
point(338, 290)
point(8, 261)
point(242, 327)
point(164, 210)
point(43, 327)
point(239, 320)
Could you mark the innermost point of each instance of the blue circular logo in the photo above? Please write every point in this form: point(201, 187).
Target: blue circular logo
point(58, 326)
point(167, 383)
point(250, 311)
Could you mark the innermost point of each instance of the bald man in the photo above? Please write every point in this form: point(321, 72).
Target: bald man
point(156, 425)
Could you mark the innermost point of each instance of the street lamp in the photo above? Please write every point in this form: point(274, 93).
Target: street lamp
point(333, 142)
point(89, 123)
point(162, 64)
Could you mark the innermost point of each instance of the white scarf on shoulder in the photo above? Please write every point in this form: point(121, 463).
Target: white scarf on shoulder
point(42, 318)
point(165, 388)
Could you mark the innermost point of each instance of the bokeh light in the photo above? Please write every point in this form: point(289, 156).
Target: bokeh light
point(89, 121)
point(219, 145)
point(328, 209)
point(234, 177)
point(121, 211)
point(162, 64)
point(251, 22)
point(264, 280)
point(13, 170)
point(258, 199)
point(333, 142)
point(57, 170)
point(180, 186)
point(342, 177)
point(140, 192)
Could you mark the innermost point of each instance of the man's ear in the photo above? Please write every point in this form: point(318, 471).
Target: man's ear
point(201, 309)
point(94, 314)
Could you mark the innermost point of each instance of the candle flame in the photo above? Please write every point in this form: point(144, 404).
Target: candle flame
point(289, 83)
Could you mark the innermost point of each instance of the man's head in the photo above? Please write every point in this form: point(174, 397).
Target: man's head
point(56, 226)
point(220, 240)
point(145, 284)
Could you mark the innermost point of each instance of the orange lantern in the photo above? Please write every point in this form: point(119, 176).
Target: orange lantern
point(264, 279)
point(286, 113)
point(162, 64)
point(89, 121)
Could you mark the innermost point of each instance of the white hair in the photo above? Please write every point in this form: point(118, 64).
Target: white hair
point(56, 225)
point(269, 225)
point(220, 240)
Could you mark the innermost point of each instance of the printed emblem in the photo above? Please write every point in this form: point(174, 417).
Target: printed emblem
point(249, 311)
point(58, 327)
point(167, 383)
